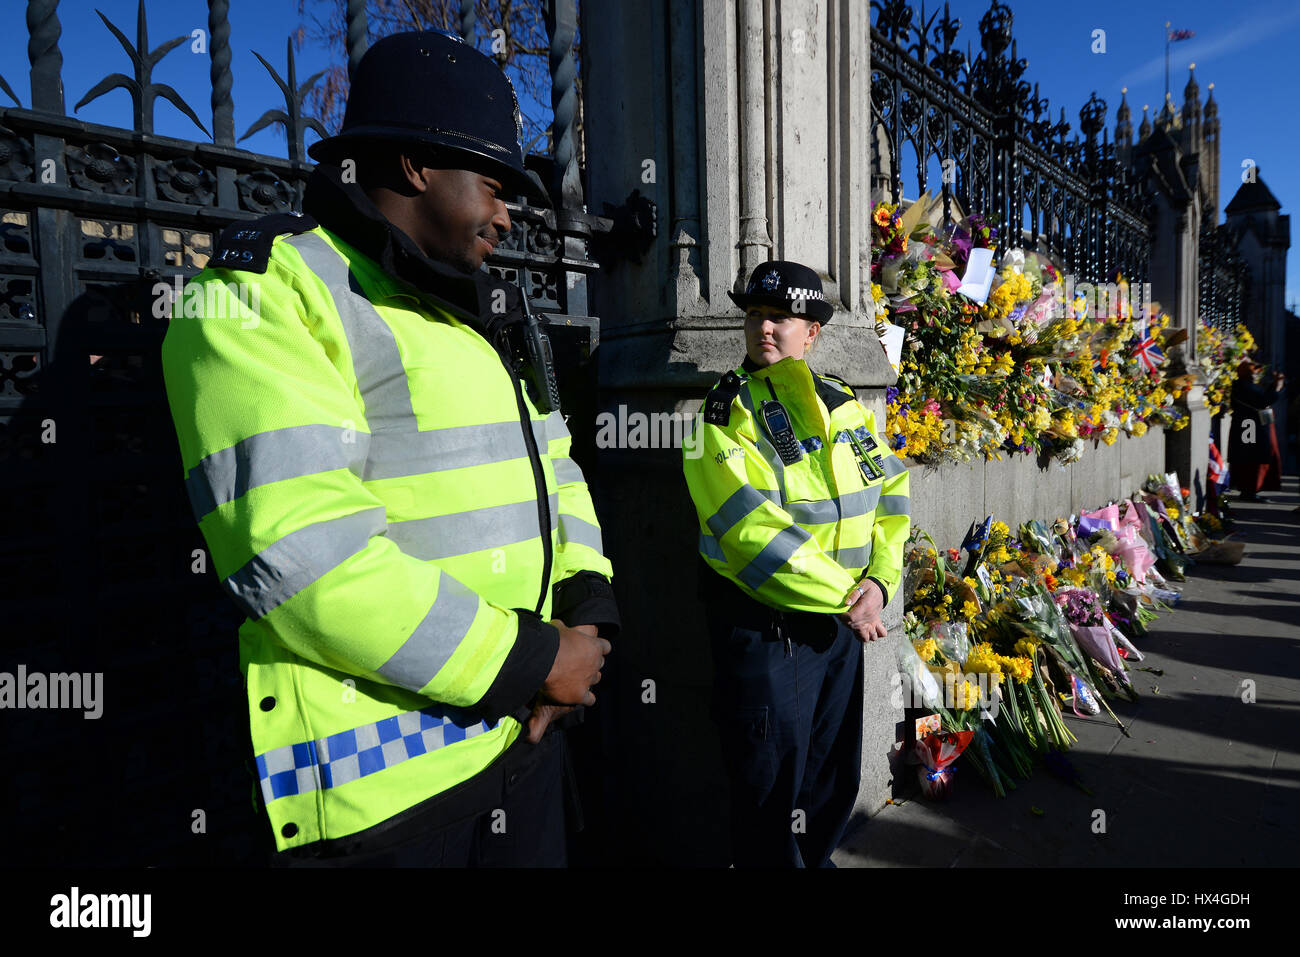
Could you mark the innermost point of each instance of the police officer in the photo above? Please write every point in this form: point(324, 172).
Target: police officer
point(803, 514)
point(417, 555)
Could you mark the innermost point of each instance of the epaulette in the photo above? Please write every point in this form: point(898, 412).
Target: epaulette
point(246, 246)
point(832, 397)
point(717, 406)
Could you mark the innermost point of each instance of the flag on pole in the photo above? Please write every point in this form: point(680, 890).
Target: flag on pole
point(1176, 35)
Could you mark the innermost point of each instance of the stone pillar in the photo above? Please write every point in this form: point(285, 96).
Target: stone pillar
point(1175, 284)
point(747, 124)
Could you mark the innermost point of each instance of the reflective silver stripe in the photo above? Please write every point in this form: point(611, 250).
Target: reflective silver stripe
point(854, 557)
point(539, 435)
point(381, 376)
point(893, 466)
point(273, 456)
point(553, 427)
point(829, 510)
point(574, 530)
point(424, 653)
point(280, 571)
point(894, 505)
point(566, 471)
point(774, 554)
point(740, 503)
point(399, 448)
point(765, 447)
point(400, 454)
point(815, 513)
point(710, 548)
point(445, 536)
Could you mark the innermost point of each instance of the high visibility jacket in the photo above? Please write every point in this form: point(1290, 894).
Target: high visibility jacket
point(386, 505)
point(799, 535)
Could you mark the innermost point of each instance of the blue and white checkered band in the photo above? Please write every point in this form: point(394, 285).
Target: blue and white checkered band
point(795, 292)
point(771, 281)
point(338, 759)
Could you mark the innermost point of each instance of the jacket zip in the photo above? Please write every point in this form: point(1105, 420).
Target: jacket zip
point(539, 480)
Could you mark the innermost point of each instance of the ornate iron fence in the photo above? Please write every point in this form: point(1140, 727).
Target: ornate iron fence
point(1224, 279)
point(994, 138)
point(102, 567)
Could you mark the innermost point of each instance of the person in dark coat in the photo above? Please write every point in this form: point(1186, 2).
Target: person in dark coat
point(1253, 456)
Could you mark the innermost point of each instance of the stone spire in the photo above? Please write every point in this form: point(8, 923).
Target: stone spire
point(1210, 158)
point(1192, 110)
point(1145, 129)
point(1169, 118)
point(1123, 121)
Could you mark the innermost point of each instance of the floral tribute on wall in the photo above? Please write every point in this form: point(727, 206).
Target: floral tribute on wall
point(1039, 626)
point(1011, 357)
point(1219, 356)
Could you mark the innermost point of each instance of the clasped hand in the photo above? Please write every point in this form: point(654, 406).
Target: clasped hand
point(577, 667)
point(863, 617)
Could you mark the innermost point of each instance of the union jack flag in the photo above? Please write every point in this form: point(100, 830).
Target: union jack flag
point(1149, 354)
point(1176, 35)
point(1218, 469)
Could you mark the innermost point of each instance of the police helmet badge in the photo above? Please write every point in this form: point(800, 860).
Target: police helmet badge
point(772, 281)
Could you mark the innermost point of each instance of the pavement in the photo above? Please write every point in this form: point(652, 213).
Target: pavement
point(1210, 776)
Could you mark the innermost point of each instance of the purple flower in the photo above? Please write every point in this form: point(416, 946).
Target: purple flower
point(891, 394)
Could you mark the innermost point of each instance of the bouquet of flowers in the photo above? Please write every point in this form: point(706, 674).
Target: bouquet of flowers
point(937, 752)
point(1089, 628)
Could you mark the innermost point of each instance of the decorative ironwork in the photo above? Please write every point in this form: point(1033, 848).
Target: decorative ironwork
point(101, 168)
point(10, 91)
point(223, 81)
point(15, 157)
point(185, 181)
point(294, 122)
point(561, 24)
point(991, 133)
point(17, 299)
point(43, 32)
point(468, 20)
point(357, 32)
point(142, 88)
point(1224, 279)
point(263, 192)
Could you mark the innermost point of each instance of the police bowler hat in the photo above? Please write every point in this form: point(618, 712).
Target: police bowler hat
point(789, 286)
point(432, 90)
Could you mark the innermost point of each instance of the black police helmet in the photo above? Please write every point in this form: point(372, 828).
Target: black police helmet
point(789, 286)
point(432, 90)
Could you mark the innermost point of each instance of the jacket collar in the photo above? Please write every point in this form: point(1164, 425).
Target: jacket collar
point(345, 209)
point(831, 396)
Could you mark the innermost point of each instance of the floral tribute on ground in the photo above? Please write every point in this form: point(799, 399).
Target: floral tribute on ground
point(1040, 626)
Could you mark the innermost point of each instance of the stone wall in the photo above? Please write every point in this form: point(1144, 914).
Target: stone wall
point(946, 499)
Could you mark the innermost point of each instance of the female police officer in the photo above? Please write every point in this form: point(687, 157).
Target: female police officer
point(803, 515)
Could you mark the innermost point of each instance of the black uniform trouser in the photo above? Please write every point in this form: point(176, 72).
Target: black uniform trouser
point(511, 814)
point(790, 717)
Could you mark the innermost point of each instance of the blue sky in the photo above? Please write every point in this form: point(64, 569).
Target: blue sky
point(1247, 49)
